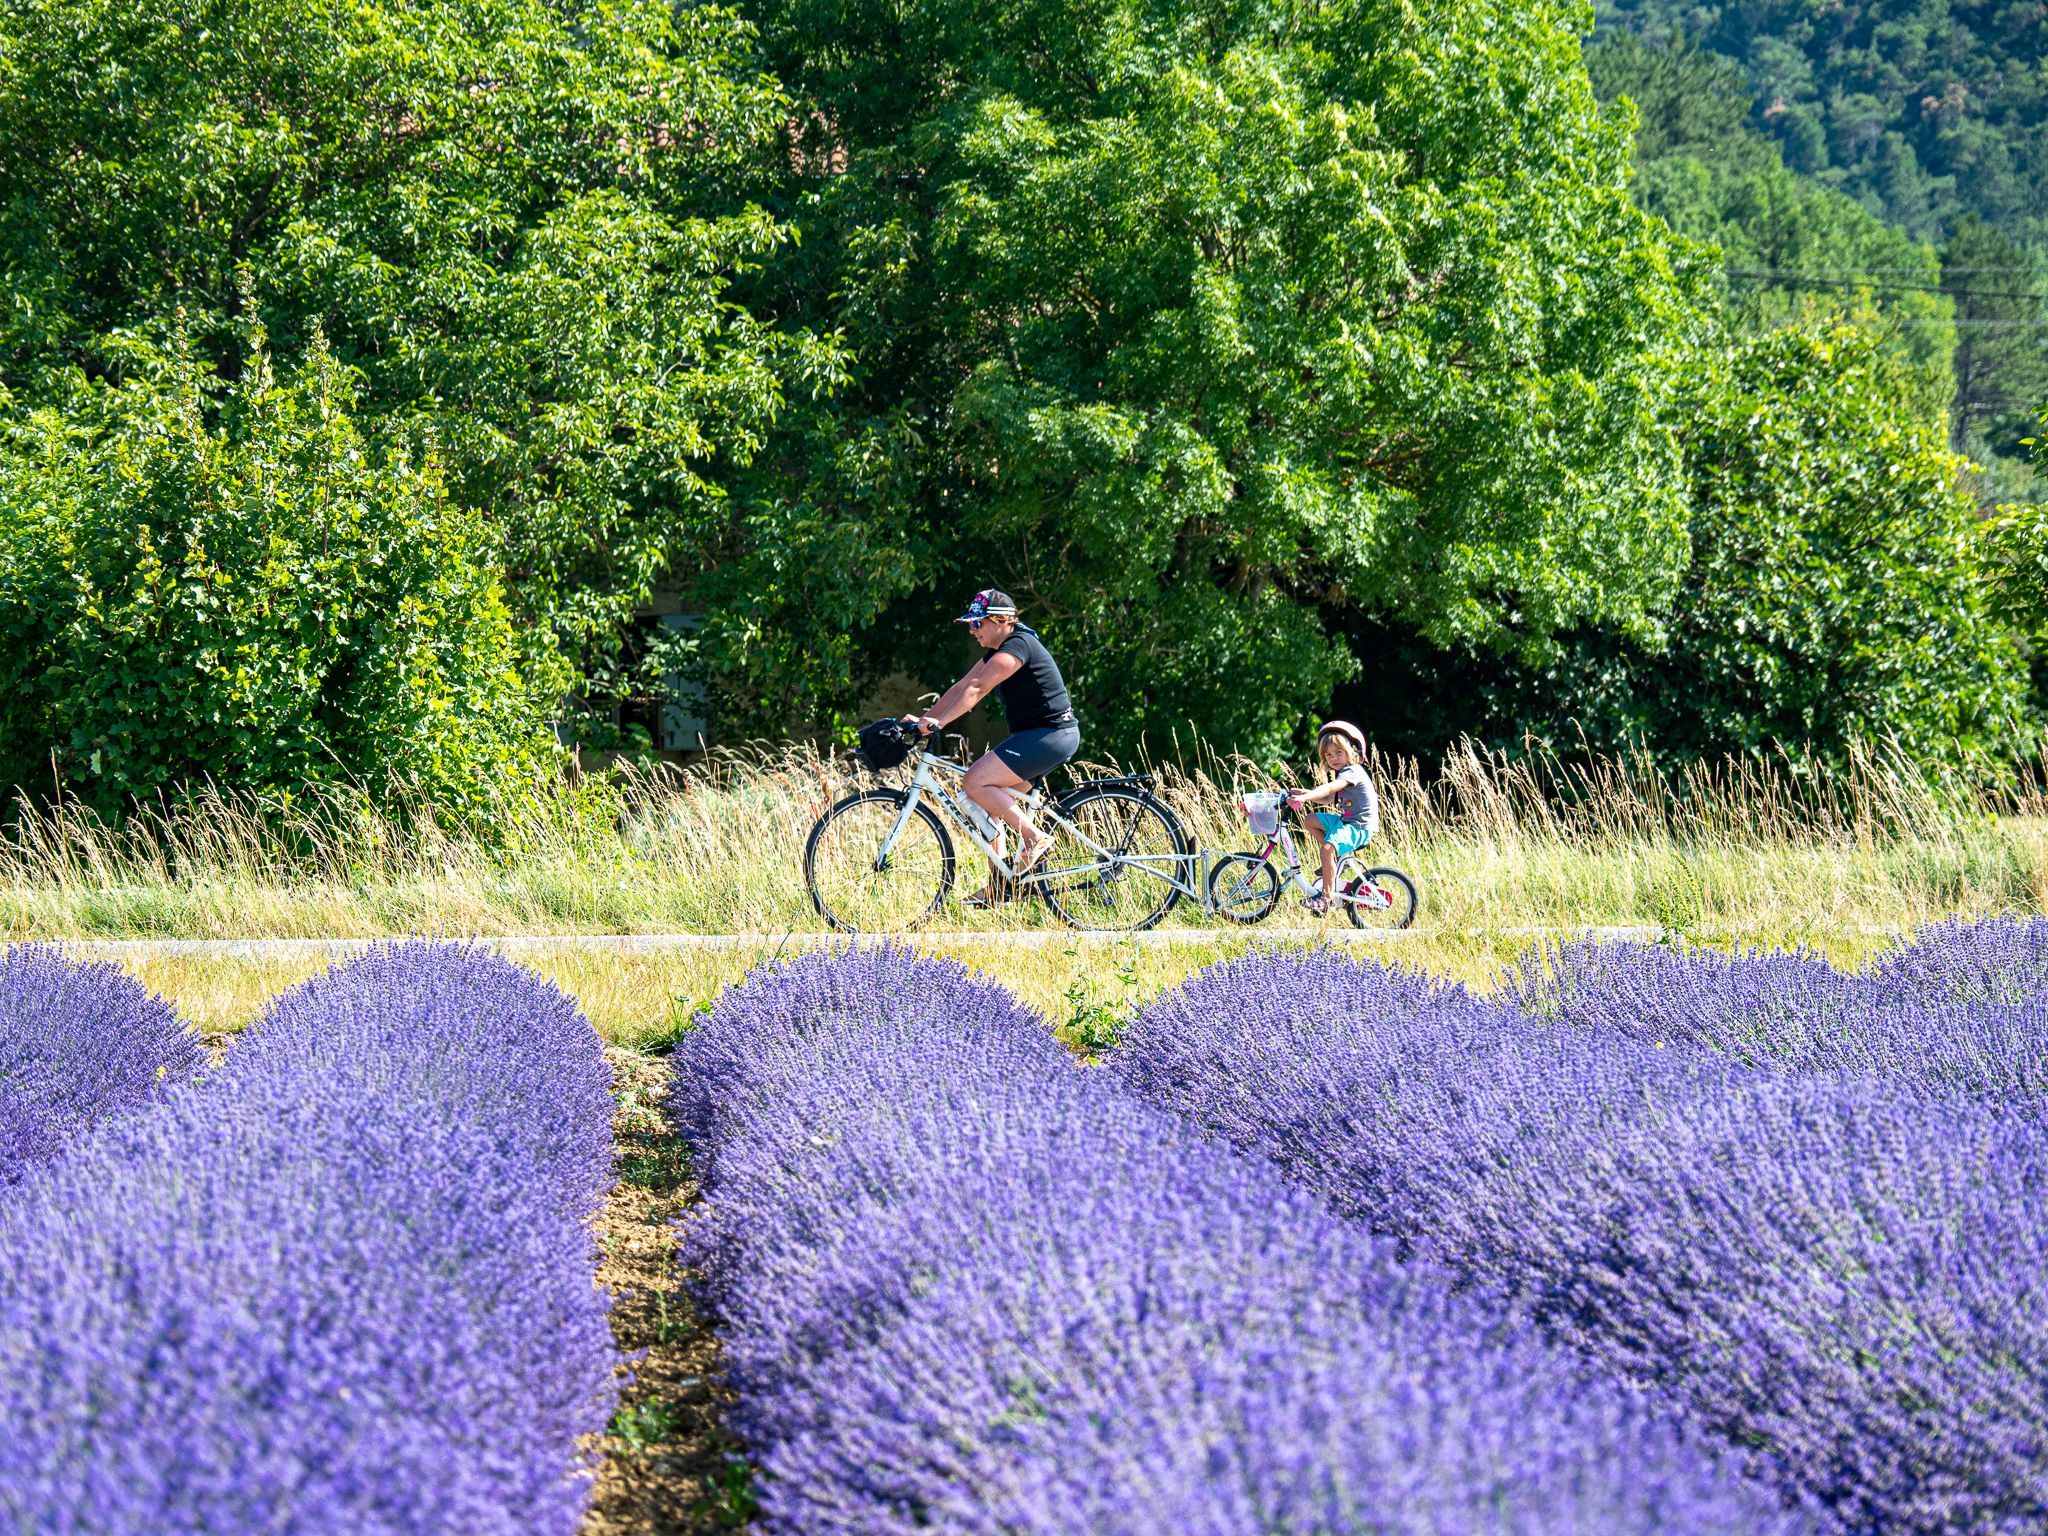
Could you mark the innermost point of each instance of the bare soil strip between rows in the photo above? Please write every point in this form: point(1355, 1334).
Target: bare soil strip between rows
point(667, 1465)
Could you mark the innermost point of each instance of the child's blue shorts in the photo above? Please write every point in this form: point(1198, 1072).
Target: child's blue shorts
point(1341, 834)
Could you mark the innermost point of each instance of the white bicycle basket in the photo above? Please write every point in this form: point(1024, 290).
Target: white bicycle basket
point(1263, 812)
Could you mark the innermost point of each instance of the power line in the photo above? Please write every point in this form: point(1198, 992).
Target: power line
point(1978, 325)
point(1880, 271)
point(1821, 280)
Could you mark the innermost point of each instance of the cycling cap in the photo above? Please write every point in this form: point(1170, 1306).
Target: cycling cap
point(1347, 730)
point(988, 603)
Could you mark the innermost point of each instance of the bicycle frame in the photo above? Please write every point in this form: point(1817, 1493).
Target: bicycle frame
point(1281, 838)
point(925, 782)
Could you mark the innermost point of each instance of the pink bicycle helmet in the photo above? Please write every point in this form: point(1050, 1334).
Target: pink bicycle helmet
point(1347, 730)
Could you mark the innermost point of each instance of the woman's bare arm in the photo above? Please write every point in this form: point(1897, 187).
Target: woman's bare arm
point(973, 688)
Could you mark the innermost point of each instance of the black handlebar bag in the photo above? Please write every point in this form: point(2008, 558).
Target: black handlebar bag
point(885, 743)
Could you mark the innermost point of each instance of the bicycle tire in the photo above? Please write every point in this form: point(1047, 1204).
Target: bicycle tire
point(1117, 897)
point(856, 901)
point(1403, 903)
point(1254, 900)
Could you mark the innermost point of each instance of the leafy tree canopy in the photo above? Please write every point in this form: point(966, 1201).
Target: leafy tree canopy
point(1183, 321)
point(268, 604)
point(2001, 362)
point(1837, 589)
point(1791, 247)
point(496, 209)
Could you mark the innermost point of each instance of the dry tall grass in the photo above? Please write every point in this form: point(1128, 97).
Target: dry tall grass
point(1782, 850)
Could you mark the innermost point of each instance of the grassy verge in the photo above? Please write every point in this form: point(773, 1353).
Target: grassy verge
point(642, 1001)
point(1775, 853)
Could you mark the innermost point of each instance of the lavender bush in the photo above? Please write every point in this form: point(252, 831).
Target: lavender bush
point(970, 1286)
point(343, 1286)
point(1996, 961)
point(78, 1043)
point(1845, 1270)
point(1962, 1008)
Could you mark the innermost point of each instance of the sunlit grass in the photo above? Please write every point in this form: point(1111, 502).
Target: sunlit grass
point(1772, 852)
point(1083, 989)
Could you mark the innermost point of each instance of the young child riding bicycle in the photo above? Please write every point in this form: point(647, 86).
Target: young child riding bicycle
point(1355, 815)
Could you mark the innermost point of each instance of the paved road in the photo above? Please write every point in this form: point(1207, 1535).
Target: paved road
point(667, 943)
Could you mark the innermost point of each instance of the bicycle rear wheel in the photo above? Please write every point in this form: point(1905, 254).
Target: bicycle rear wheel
point(1376, 897)
point(1116, 866)
point(854, 887)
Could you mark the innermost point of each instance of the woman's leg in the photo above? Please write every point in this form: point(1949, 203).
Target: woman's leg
point(987, 784)
point(983, 784)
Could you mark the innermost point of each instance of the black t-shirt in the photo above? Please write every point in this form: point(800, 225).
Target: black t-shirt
point(1034, 696)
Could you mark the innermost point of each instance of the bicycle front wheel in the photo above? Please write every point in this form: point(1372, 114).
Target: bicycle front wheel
point(1117, 860)
point(859, 888)
point(1376, 898)
point(1244, 888)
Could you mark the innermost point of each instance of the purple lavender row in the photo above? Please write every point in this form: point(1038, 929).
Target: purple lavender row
point(970, 1286)
point(1845, 1270)
point(78, 1044)
point(345, 1285)
point(1965, 1006)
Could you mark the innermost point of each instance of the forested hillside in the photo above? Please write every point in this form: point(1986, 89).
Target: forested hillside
point(393, 393)
point(1926, 112)
point(1922, 122)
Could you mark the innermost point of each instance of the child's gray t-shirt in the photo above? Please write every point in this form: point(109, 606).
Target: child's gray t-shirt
point(1356, 802)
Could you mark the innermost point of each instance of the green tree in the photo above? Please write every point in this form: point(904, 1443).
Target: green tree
point(1837, 589)
point(1792, 249)
point(266, 601)
point(1920, 110)
point(2002, 355)
point(500, 212)
point(1182, 320)
point(1688, 100)
point(2016, 547)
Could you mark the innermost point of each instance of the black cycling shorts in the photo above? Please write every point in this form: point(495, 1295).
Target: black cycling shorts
point(1029, 754)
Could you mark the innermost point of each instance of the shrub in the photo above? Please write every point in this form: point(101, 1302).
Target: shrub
point(972, 1286)
point(346, 1285)
point(264, 602)
point(1843, 1271)
point(78, 1043)
point(1837, 591)
point(1996, 960)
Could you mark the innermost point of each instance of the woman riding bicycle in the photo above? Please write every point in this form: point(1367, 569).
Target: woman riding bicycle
point(1043, 731)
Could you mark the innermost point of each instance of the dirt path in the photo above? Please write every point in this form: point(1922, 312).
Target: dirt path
point(667, 1466)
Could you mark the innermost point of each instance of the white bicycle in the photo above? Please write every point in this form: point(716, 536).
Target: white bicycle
point(1245, 887)
point(882, 861)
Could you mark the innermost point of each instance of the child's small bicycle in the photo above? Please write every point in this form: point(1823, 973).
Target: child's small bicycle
point(1245, 887)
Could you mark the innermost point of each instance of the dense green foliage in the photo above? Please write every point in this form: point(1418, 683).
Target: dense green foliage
point(496, 210)
point(1840, 233)
point(1790, 247)
point(269, 603)
point(2001, 361)
point(1834, 589)
point(1923, 111)
point(1264, 351)
point(1181, 321)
